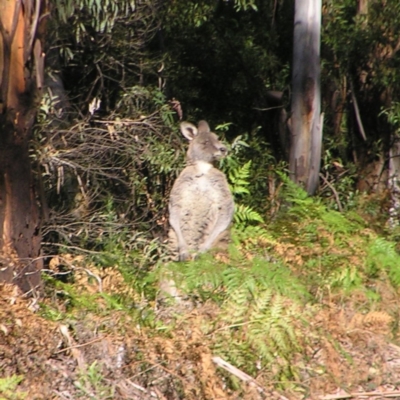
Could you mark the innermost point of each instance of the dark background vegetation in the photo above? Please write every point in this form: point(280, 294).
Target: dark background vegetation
point(221, 60)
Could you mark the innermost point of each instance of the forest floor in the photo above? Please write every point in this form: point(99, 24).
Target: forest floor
point(78, 341)
point(102, 355)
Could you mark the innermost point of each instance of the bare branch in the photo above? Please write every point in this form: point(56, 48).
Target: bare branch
point(357, 111)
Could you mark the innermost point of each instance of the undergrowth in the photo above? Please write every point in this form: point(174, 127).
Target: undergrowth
point(266, 291)
point(92, 385)
point(306, 255)
point(9, 386)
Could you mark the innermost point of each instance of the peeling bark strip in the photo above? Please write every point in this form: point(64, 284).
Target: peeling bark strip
point(21, 74)
point(306, 129)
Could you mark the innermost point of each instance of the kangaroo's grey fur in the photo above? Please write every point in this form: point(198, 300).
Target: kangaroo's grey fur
point(201, 204)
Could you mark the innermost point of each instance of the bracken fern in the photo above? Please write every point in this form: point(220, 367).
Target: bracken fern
point(260, 301)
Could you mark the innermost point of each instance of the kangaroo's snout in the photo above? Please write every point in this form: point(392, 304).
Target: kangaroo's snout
point(221, 152)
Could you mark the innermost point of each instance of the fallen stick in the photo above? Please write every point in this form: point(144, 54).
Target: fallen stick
point(381, 395)
point(235, 371)
point(243, 376)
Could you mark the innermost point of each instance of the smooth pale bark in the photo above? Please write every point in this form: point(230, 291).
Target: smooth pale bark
point(306, 121)
point(394, 181)
point(21, 77)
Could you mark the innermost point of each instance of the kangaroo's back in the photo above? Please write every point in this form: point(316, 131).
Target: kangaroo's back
point(201, 204)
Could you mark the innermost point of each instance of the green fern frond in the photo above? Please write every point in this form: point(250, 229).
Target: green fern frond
point(9, 388)
point(383, 257)
point(263, 320)
point(239, 179)
point(245, 215)
point(337, 222)
point(347, 278)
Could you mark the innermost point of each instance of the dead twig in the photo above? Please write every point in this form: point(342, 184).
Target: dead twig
point(357, 112)
point(237, 372)
point(77, 345)
point(168, 371)
point(76, 353)
point(335, 193)
point(381, 395)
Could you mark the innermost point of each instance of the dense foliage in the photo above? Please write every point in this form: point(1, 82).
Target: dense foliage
point(152, 63)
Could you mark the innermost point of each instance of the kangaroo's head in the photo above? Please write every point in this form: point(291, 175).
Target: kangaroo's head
point(204, 144)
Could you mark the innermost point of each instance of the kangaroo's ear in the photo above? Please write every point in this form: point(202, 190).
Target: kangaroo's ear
point(203, 127)
point(188, 130)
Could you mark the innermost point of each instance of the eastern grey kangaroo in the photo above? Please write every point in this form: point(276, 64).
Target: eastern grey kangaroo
point(201, 204)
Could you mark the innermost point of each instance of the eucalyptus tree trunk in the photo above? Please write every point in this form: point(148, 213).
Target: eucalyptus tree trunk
point(394, 180)
point(21, 76)
point(306, 121)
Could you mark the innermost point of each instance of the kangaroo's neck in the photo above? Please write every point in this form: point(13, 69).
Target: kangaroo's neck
point(202, 167)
